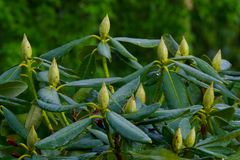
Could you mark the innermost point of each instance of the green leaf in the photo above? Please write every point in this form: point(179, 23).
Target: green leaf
point(64, 49)
point(226, 92)
point(171, 44)
point(88, 66)
point(11, 74)
point(219, 140)
point(120, 96)
point(197, 74)
point(130, 62)
point(121, 49)
point(145, 43)
point(34, 117)
point(49, 94)
point(154, 154)
point(13, 88)
point(227, 113)
point(100, 135)
point(208, 69)
point(92, 82)
point(104, 50)
point(53, 107)
point(143, 112)
point(174, 90)
point(216, 151)
point(15, 102)
point(136, 74)
point(85, 143)
point(162, 115)
point(14, 123)
point(126, 128)
point(64, 135)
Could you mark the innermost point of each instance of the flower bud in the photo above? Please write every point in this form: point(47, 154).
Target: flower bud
point(131, 105)
point(104, 27)
point(190, 139)
point(177, 140)
point(216, 62)
point(208, 97)
point(26, 49)
point(162, 51)
point(32, 138)
point(53, 73)
point(183, 47)
point(141, 94)
point(103, 96)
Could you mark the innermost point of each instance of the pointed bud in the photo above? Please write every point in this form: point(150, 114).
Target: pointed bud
point(162, 51)
point(131, 105)
point(183, 47)
point(104, 27)
point(53, 74)
point(141, 94)
point(190, 139)
point(32, 138)
point(103, 96)
point(216, 62)
point(26, 49)
point(178, 53)
point(208, 97)
point(177, 140)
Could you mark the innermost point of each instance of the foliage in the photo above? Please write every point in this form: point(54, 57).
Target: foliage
point(50, 112)
point(52, 23)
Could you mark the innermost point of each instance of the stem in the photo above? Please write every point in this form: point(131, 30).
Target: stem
point(64, 118)
point(105, 67)
point(29, 72)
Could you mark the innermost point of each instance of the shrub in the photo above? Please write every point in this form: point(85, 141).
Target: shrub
point(176, 106)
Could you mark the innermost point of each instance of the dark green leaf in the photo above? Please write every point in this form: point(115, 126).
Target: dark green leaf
point(174, 90)
point(171, 44)
point(14, 123)
point(11, 74)
point(93, 82)
point(85, 143)
point(142, 113)
point(126, 128)
point(53, 107)
point(146, 43)
point(198, 74)
point(13, 88)
point(64, 49)
point(100, 135)
point(64, 135)
point(120, 96)
point(121, 49)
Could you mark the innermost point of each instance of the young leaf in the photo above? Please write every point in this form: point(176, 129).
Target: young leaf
point(104, 50)
point(34, 117)
point(49, 94)
point(64, 135)
point(171, 44)
point(126, 128)
point(100, 135)
point(88, 66)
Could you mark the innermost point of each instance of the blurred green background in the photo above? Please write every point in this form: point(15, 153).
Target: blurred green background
point(207, 25)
